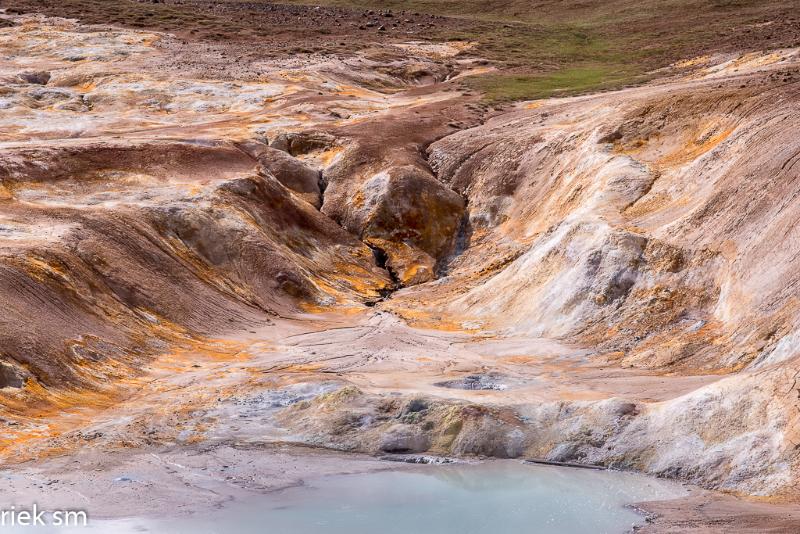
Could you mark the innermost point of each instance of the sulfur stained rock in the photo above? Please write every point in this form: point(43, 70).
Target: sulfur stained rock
point(408, 265)
point(484, 433)
point(406, 213)
point(407, 204)
point(380, 187)
point(404, 438)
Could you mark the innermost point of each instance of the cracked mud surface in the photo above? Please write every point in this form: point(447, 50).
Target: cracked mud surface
point(207, 266)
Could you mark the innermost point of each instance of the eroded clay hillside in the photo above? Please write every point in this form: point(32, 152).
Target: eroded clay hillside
point(348, 252)
point(657, 225)
point(658, 222)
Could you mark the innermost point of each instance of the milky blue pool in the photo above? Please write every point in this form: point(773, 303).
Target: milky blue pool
point(489, 498)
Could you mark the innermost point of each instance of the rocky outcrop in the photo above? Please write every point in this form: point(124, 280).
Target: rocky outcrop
point(411, 217)
point(36, 77)
point(404, 439)
point(382, 189)
point(404, 212)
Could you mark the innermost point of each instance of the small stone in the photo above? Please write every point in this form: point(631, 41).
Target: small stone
point(41, 77)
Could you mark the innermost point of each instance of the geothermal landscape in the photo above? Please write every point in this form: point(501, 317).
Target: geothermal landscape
point(246, 245)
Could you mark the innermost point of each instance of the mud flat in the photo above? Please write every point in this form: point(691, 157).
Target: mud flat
point(223, 431)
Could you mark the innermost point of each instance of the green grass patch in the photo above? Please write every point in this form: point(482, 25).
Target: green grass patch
point(564, 82)
point(554, 47)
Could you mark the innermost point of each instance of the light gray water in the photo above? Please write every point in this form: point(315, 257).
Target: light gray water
point(493, 497)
